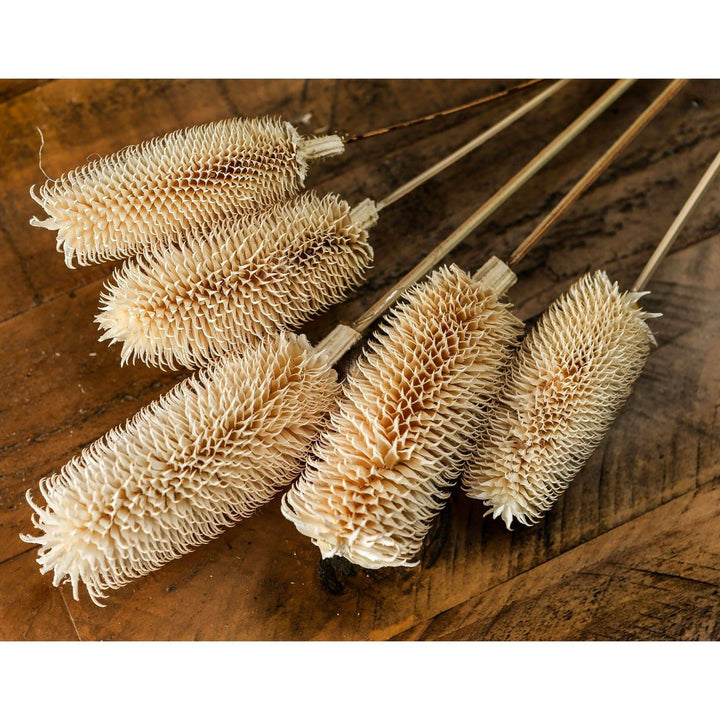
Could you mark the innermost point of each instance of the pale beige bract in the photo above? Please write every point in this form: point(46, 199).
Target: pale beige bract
point(231, 285)
point(188, 466)
point(570, 377)
point(397, 442)
point(141, 196)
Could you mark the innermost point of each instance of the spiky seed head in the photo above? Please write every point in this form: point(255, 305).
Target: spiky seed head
point(142, 195)
point(395, 445)
point(571, 375)
point(205, 455)
point(225, 287)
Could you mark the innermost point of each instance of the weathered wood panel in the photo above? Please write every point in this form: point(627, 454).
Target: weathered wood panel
point(60, 389)
point(27, 610)
point(654, 578)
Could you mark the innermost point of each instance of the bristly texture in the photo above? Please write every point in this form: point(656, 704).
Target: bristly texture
point(395, 445)
point(569, 379)
point(228, 286)
point(140, 196)
point(183, 469)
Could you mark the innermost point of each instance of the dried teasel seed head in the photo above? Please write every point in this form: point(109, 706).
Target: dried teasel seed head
point(569, 379)
point(228, 286)
point(138, 197)
point(202, 457)
point(395, 445)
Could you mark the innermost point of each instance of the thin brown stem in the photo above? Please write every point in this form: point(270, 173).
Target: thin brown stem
point(472, 145)
point(662, 249)
point(597, 169)
point(442, 113)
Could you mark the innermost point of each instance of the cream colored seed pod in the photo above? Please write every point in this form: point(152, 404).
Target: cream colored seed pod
point(396, 444)
point(183, 469)
point(115, 206)
point(572, 374)
point(228, 286)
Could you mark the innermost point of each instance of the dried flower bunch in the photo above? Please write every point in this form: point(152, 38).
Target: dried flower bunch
point(395, 444)
point(185, 305)
point(143, 195)
point(228, 286)
point(223, 442)
point(571, 375)
point(185, 468)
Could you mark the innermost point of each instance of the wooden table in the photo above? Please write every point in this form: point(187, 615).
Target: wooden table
point(630, 551)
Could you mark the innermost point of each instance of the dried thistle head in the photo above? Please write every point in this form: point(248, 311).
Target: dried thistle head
point(569, 379)
point(202, 457)
point(139, 197)
point(228, 286)
point(395, 444)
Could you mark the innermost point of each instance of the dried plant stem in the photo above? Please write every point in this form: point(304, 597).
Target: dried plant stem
point(472, 145)
point(673, 231)
point(500, 197)
point(443, 113)
point(196, 461)
point(597, 169)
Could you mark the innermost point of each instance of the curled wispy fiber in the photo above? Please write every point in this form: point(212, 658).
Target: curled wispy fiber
point(571, 375)
point(229, 285)
point(396, 443)
point(202, 457)
point(142, 195)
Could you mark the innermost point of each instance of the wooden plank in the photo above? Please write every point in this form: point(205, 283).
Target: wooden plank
point(260, 579)
point(28, 611)
point(654, 578)
point(10, 88)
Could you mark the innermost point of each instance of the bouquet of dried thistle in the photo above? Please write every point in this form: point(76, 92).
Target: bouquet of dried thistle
point(221, 283)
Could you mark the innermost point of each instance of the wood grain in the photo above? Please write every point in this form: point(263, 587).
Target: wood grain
point(27, 610)
point(60, 388)
point(655, 578)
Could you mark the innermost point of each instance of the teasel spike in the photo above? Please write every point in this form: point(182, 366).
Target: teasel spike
point(414, 400)
point(204, 456)
point(145, 194)
point(223, 287)
point(569, 380)
point(194, 462)
point(226, 287)
point(396, 443)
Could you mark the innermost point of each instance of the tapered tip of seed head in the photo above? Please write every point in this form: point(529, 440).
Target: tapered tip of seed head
point(47, 223)
point(119, 323)
point(371, 554)
point(327, 549)
point(122, 324)
point(505, 512)
point(503, 507)
point(67, 550)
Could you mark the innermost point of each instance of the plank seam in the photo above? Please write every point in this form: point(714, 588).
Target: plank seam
point(712, 484)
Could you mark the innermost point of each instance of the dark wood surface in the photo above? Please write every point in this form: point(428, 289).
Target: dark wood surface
point(630, 551)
